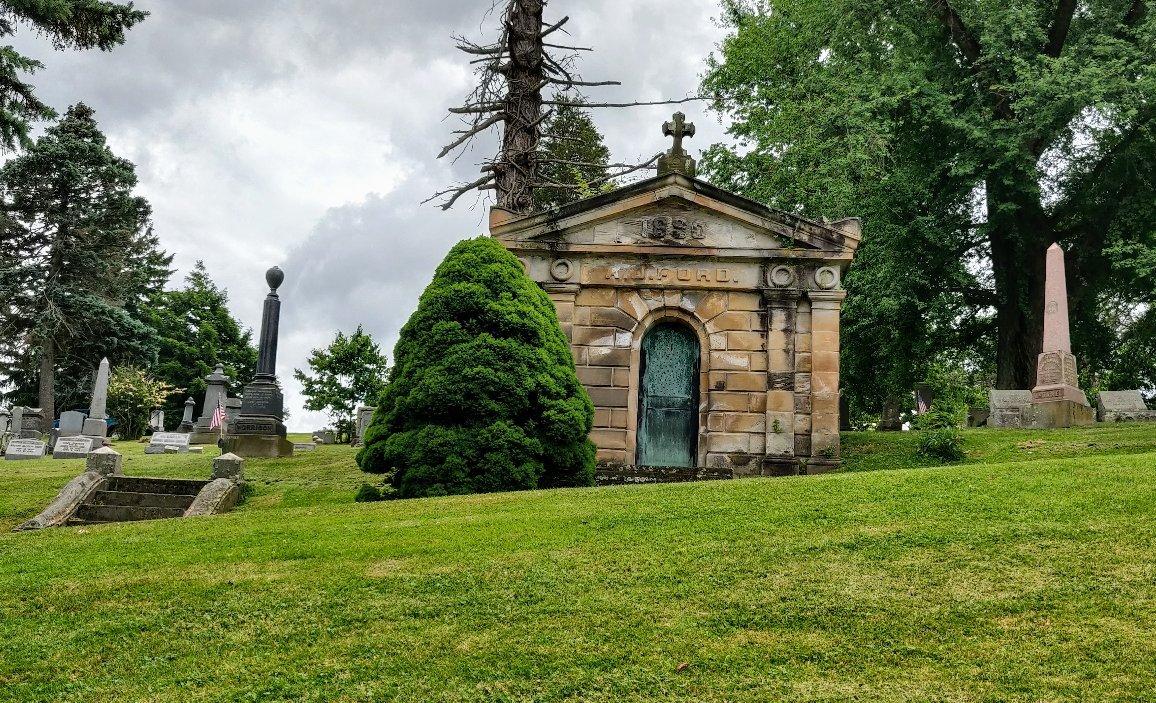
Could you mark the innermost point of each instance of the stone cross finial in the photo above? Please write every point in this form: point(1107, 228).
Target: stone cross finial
point(676, 160)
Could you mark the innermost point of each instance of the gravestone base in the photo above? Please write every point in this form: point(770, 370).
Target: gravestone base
point(95, 427)
point(202, 437)
point(259, 446)
point(1062, 413)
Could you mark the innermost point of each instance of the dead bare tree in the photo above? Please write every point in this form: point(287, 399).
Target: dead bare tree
point(512, 74)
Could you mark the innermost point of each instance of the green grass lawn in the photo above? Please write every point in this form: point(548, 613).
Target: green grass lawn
point(1028, 574)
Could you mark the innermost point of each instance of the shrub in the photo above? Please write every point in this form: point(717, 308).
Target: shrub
point(944, 444)
point(368, 494)
point(132, 395)
point(483, 395)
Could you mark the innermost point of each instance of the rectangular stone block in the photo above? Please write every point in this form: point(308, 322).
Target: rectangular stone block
point(728, 402)
point(609, 439)
point(802, 404)
point(609, 397)
point(824, 423)
point(603, 417)
point(757, 402)
point(803, 362)
point(825, 362)
point(595, 336)
point(608, 356)
point(802, 343)
point(745, 301)
point(824, 341)
point(781, 401)
point(825, 446)
point(591, 376)
point(802, 445)
point(746, 381)
point(728, 442)
point(825, 404)
point(758, 362)
point(730, 361)
point(711, 305)
point(746, 341)
point(780, 360)
point(620, 418)
point(803, 424)
point(777, 339)
point(597, 297)
point(612, 317)
point(565, 311)
point(825, 383)
point(718, 341)
point(730, 321)
point(621, 377)
point(613, 456)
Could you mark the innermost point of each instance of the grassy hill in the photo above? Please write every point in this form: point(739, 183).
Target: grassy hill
point(1026, 575)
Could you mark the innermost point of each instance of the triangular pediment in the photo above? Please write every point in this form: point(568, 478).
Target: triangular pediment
point(676, 212)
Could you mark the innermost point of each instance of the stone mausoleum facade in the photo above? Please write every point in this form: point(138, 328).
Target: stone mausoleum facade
point(704, 326)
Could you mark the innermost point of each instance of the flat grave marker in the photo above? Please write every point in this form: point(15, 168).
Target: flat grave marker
point(72, 448)
point(25, 449)
point(163, 442)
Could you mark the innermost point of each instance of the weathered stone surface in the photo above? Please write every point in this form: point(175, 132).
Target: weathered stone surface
point(1009, 408)
point(66, 502)
point(72, 448)
point(161, 442)
point(259, 446)
point(229, 466)
point(97, 423)
point(72, 423)
point(105, 461)
point(1056, 376)
point(220, 496)
point(24, 449)
point(1122, 406)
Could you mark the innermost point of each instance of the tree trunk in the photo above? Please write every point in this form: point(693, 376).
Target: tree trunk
point(517, 164)
point(1019, 234)
point(47, 382)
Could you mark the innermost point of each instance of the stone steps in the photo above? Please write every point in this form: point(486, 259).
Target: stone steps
point(132, 499)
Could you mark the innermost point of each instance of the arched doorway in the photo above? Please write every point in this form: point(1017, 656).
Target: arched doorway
point(668, 396)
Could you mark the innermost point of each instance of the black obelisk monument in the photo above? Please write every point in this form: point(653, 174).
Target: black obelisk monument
point(259, 431)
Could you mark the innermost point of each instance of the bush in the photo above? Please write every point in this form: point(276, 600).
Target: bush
point(944, 444)
point(483, 395)
point(368, 494)
point(132, 395)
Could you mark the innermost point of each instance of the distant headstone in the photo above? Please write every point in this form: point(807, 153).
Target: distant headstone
point(1010, 408)
point(325, 437)
point(216, 389)
point(260, 430)
point(23, 449)
point(160, 442)
point(304, 447)
point(72, 448)
point(1122, 406)
point(5, 420)
point(72, 423)
point(187, 420)
point(97, 423)
point(105, 461)
point(364, 417)
point(27, 423)
point(229, 466)
point(1057, 398)
point(157, 420)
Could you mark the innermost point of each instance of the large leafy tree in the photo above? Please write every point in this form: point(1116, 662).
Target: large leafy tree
point(573, 158)
point(196, 331)
point(68, 24)
point(970, 135)
point(77, 253)
point(350, 372)
point(483, 395)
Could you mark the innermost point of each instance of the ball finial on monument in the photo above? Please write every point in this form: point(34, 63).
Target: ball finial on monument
point(274, 277)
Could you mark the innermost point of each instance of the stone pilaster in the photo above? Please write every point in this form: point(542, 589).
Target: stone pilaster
point(564, 295)
point(802, 378)
point(824, 366)
point(782, 307)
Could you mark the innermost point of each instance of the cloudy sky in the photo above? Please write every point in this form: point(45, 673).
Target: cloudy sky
point(303, 134)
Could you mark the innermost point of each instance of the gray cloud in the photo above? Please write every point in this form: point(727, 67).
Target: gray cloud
point(303, 134)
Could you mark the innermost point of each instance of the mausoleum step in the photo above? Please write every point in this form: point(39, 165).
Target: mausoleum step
point(144, 500)
point(170, 486)
point(124, 513)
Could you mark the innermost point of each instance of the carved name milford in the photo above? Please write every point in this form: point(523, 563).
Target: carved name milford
point(671, 274)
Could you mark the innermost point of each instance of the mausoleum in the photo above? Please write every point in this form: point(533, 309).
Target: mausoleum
point(704, 325)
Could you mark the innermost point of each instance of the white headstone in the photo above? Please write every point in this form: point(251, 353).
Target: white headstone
point(72, 448)
point(23, 449)
point(71, 423)
point(95, 425)
point(160, 442)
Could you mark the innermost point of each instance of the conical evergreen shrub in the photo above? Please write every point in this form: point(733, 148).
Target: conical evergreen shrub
point(483, 395)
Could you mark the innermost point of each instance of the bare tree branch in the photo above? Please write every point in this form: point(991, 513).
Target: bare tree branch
point(473, 131)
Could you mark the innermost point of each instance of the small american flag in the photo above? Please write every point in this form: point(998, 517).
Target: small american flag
point(218, 416)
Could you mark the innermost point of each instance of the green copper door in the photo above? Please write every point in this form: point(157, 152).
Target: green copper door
point(668, 407)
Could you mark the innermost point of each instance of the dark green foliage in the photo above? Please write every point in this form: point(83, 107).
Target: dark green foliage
point(368, 494)
point(78, 261)
point(349, 373)
point(68, 24)
point(195, 331)
point(483, 395)
point(944, 444)
point(969, 136)
point(571, 154)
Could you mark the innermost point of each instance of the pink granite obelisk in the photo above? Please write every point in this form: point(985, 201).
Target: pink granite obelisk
point(1057, 398)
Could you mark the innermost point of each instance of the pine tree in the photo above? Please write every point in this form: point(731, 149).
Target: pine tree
point(68, 24)
point(76, 237)
point(350, 372)
point(195, 331)
point(483, 395)
point(572, 157)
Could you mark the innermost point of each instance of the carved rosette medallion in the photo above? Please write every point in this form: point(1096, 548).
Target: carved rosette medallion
point(827, 278)
point(781, 277)
point(562, 270)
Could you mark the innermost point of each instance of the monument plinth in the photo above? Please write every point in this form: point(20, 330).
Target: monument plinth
point(1057, 400)
point(260, 431)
